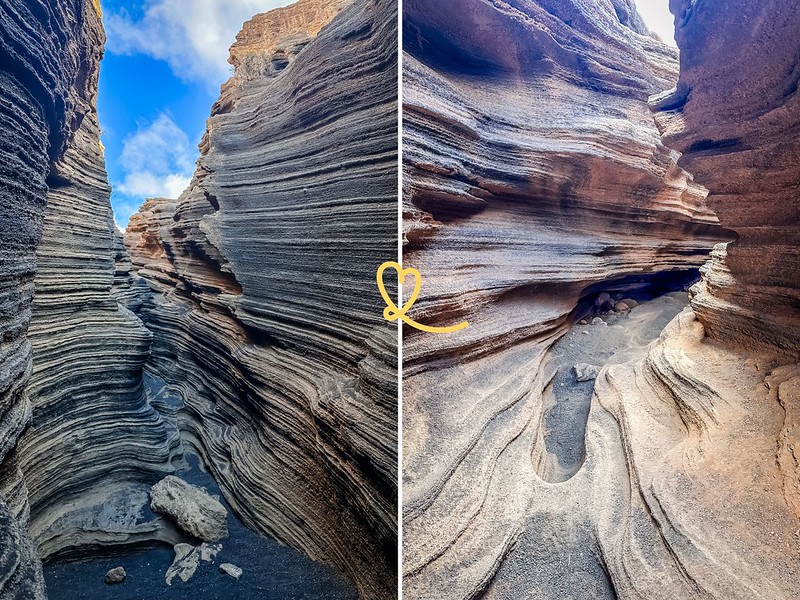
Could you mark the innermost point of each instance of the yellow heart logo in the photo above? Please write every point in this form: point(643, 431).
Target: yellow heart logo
point(392, 312)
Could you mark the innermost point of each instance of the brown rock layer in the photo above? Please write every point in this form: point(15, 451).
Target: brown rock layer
point(735, 115)
point(265, 314)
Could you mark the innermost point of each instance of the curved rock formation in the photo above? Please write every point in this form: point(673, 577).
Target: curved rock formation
point(734, 115)
point(95, 445)
point(520, 200)
point(49, 52)
point(265, 315)
point(535, 178)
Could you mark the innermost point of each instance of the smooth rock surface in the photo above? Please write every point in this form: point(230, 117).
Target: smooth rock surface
point(191, 507)
point(264, 310)
point(536, 182)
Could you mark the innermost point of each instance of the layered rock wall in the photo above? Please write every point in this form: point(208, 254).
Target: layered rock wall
point(95, 445)
point(48, 52)
point(536, 177)
point(265, 314)
point(734, 114)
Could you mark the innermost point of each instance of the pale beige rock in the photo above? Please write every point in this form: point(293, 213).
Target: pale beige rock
point(231, 570)
point(191, 507)
point(184, 565)
point(536, 179)
point(584, 372)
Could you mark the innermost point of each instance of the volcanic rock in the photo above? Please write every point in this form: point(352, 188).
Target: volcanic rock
point(584, 372)
point(191, 507)
point(232, 570)
point(53, 184)
point(115, 575)
point(731, 114)
point(264, 309)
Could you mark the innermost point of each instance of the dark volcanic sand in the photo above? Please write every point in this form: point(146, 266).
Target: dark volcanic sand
point(563, 550)
point(623, 338)
point(271, 571)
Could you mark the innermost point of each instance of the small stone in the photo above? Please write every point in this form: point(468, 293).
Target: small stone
point(599, 321)
point(630, 302)
point(602, 300)
point(621, 307)
point(208, 552)
point(187, 557)
point(584, 372)
point(583, 322)
point(115, 575)
point(231, 570)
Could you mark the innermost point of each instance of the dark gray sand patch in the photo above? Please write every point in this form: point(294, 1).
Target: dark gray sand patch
point(613, 339)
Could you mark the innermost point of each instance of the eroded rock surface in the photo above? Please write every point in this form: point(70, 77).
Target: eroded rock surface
point(191, 507)
point(49, 57)
point(115, 575)
point(536, 181)
point(264, 312)
point(734, 114)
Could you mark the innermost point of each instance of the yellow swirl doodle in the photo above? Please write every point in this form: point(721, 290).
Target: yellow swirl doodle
point(392, 313)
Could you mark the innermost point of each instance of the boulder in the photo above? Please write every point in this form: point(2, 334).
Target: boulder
point(191, 507)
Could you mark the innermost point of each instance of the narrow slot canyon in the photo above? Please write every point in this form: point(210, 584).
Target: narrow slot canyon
point(617, 220)
point(209, 398)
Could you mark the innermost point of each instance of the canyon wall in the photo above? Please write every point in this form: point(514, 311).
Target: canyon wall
point(535, 179)
point(95, 445)
point(49, 55)
point(264, 311)
point(734, 115)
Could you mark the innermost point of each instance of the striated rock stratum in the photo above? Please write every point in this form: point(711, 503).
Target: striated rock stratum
point(537, 188)
point(264, 311)
point(55, 200)
point(244, 327)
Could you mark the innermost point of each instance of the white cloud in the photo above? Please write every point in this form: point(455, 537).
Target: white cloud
point(157, 161)
point(658, 18)
point(192, 37)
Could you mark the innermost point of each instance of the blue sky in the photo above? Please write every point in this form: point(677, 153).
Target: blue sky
point(164, 63)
